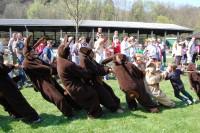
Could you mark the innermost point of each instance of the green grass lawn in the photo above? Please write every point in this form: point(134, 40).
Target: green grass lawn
point(181, 119)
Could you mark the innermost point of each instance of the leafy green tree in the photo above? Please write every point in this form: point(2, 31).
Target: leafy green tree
point(15, 10)
point(108, 10)
point(137, 12)
point(36, 10)
point(76, 9)
point(94, 10)
point(163, 19)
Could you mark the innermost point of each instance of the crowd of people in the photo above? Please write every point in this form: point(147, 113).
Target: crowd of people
point(81, 67)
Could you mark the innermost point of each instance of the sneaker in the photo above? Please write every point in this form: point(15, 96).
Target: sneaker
point(189, 102)
point(16, 117)
point(38, 120)
point(120, 111)
point(195, 101)
point(154, 110)
point(123, 107)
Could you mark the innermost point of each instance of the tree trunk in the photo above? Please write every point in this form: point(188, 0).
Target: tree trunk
point(77, 26)
point(77, 19)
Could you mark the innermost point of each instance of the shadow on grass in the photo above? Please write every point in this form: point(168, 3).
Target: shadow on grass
point(5, 122)
point(127, 112)
point(179, 104)
point(51, 120)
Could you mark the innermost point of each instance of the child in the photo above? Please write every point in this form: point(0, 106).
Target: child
point(153, 78)
point(194, 78)
point(177, 84)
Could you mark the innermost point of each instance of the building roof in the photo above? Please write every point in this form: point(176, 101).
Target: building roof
point(92, 23)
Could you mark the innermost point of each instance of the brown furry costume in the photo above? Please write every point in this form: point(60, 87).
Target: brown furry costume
point(11, 98)
point(194, 79)
point(73, 77)
point(111, 101)
point(40, 73)
point(130, 79)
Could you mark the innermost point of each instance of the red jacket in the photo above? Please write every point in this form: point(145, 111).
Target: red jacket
point(117, 47)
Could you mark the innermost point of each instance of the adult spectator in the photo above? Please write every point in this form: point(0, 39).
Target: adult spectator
point(191, 51)
point(116, 45)
point(115, 36)
point(41, 46)
point(47, 54)
point(75, 52)
point(163, 48)
point(1, 47)
point(11, 46)
point(178, 52)
point(83, 42)
point(131, 47)
point(99, 48)
point(99, 32)
point(124, 47)
point(152, 51)
point(20, 58)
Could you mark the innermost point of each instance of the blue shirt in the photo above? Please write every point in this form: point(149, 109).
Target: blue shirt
point(175, 79)
point(48, 52)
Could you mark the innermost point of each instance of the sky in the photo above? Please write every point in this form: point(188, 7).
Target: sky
point(180, 2)
point(175, 3)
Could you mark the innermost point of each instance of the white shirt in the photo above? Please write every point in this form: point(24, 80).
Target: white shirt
point(124, 50)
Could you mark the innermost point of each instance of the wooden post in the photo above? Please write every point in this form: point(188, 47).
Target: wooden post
point(165, 35)
point(93, 36)
point(26, 32)
point(61, 33)
point(108, 36)
point(151, 34)
point(138, 35)
point(123, 33)
point(10, 32)
point(178, 35)
point(33, 37)
point(55, 37)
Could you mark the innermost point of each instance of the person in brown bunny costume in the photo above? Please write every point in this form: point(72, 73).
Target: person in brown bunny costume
point(40, 73)
point(73, 78)
point(130, 80)
point(194, 78)
point(11, 98)
point(112, 102)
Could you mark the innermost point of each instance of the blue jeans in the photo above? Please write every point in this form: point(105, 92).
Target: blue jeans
point(22, 75)
point(184, 92)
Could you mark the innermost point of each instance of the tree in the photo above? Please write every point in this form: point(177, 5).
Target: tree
point(108, 10)
point(76, 10)
point(137, 11)
point(41, 9)
point(36, 10)
point(163, 19)
point(94, 11)
point(15, 10)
